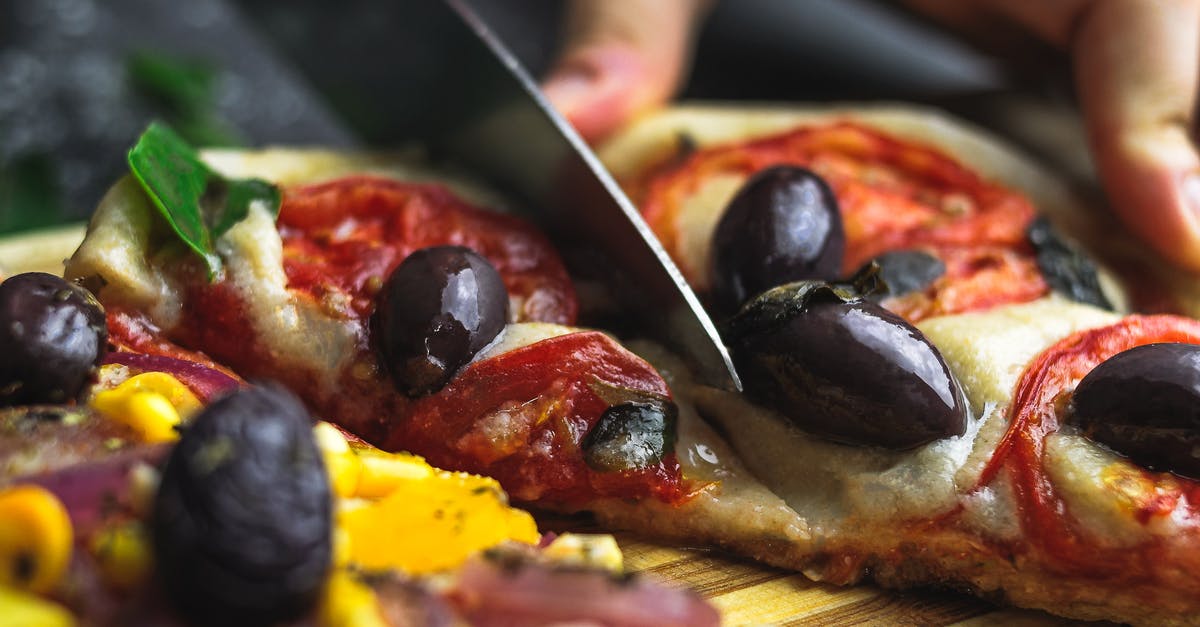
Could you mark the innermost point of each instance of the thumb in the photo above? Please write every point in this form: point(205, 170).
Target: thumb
point(1137, 68)
point(619, 58)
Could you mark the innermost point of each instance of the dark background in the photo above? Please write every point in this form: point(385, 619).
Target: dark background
point(79, 79)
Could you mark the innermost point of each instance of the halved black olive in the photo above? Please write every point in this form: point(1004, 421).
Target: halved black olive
point(1144, 403)
point(631, 436)
point(783, 225)
point(52, 335)
point(1068, 270)
point(905, 271)
point(435, 312)
point(242, 521)
point(844, 368)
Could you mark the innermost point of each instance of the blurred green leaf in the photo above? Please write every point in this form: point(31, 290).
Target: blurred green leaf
point(184, 91)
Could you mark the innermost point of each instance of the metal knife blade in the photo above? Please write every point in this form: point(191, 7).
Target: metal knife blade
point(431, 71)
point(521, 141)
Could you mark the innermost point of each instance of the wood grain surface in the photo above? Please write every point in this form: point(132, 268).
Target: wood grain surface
point(746, 593)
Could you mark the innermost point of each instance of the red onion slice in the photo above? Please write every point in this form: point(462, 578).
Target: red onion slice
point(203, 381)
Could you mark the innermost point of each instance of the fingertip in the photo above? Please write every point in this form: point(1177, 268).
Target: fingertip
point(598, 89)
point(1154, 186)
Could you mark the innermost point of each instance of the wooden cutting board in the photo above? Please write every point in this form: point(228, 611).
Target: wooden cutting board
point(746, 593)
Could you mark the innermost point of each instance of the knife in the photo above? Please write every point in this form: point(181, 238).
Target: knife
point(432, 71)
point(519, 140)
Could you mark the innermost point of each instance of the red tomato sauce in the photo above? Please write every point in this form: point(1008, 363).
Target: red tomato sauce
point(893, 195)
point(1041, 394)
point(520, 417)
point(341, 239)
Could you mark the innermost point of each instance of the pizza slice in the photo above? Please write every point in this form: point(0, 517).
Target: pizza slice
point(162, 490)
point(570, 420)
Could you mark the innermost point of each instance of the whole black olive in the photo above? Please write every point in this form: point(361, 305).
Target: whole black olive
point(844, 368)
point(1144, 403)
point(906, 271)
point(1068, 270)
point(631, 436)
point(435, 312)
point(783, 225)
point(52, 335)
point(242, 521)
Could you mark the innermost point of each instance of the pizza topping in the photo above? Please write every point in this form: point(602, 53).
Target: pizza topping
point(513, 589)
point(152, 404)
point(1144, 403)
point(35, 539)
point(52, 336)
point(344, 237)
point(631, 436)
point(203, 381)
point(242, 522)
point(893, 194)
point(844, 368)
point(436, 310)
point(199, 204)
point(782, 226)
point(906, 271)
point(1068, 270)
point(521, 417)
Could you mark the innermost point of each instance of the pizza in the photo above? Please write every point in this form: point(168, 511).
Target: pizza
point(145, 481)
point(254, 515)
point(1001, 490)
point(997, 424)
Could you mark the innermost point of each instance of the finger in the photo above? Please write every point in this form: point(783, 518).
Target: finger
point(620, 58)
point(1137, 64)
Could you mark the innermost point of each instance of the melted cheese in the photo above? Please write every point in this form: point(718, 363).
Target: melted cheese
point(133, 254)
point(838, 487)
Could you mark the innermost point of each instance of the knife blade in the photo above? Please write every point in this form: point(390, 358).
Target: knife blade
point(432, 72)
point(517, 138)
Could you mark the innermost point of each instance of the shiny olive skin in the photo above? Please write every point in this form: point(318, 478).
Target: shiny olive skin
point(631, 436)
point(847, 370)
point(52, 335)
point(242, 523)
point(436, 310)
point(783, 225)
point(907, 271)
point(1144, 403)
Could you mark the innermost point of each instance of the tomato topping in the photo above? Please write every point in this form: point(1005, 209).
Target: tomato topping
point(894, 195)
point(520, 417)
point(1041, 393)
point(341, 239)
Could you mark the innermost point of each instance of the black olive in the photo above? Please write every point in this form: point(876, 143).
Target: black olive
point(906, 271)
point(631, 436)
point(1144, 403)
point(783, 225)
point(52, 335)
point(1068, 270)
point(242, 521)
point(844, 368)
point(435, 312)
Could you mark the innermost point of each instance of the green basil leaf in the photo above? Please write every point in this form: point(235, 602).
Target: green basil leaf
point(198, 203)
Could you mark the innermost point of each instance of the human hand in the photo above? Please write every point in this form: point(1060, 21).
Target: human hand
point(621, 57)
point(1136, 65)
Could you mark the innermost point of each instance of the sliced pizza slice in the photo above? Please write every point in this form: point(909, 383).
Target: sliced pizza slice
point(166, 491)
point(963, 221)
